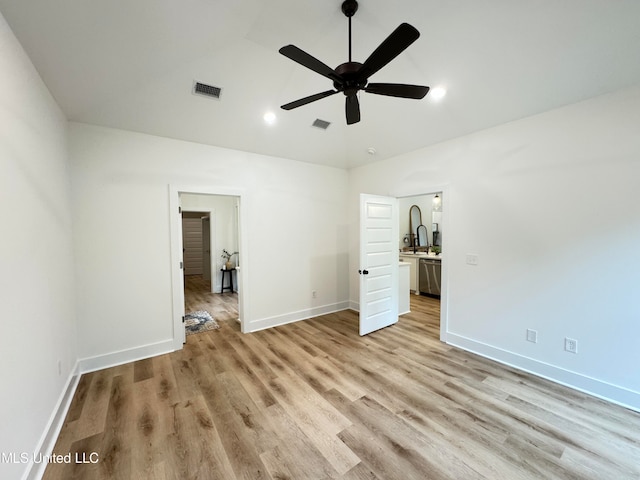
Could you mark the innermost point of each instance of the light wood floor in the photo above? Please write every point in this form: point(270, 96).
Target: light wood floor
point(313, 400)
point(198, 296)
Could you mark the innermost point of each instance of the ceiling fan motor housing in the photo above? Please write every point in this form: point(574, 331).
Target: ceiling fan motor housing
point(349, 7)
point(349, 73)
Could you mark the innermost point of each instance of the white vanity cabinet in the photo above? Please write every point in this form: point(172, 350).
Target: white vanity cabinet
point(403, 288)
point(412, 260)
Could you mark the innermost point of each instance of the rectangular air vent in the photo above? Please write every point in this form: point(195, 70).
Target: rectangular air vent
point(323, 124)
point(206, 90)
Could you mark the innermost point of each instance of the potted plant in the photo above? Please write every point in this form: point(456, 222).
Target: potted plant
point(226, 255)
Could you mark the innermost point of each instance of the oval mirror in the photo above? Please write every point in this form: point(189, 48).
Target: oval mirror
point(423, 236)
point(415, 219)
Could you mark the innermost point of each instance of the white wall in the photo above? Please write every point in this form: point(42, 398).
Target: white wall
point(296, 234)
point(551, 205)
point(36, 279)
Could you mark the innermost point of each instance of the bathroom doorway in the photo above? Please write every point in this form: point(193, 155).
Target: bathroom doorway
point(428, 287)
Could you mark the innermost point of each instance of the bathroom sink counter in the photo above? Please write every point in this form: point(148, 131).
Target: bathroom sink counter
point(420, 255)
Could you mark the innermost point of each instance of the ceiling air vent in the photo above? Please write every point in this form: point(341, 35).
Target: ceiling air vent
point(206, 90)
point(323, 124)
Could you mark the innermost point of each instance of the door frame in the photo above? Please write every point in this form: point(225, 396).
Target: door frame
point(415, 191)
point(177, 280)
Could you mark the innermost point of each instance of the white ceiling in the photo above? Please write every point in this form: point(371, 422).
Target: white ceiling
point(131, 65)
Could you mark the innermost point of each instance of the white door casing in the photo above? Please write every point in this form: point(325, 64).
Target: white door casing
point(177, 274)
point(378, 262)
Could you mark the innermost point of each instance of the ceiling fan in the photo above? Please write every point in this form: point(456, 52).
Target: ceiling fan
point(351, 77)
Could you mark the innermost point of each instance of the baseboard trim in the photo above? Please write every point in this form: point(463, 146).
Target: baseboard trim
point(278, 320)
point(583, 383)
point(49, 437)
point(99, 362)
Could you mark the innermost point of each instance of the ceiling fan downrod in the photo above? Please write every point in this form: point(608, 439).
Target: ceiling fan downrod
point(349, 8)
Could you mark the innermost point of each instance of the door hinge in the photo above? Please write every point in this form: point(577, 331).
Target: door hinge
point(181, 266)
point(183, 319)
point(180, 210)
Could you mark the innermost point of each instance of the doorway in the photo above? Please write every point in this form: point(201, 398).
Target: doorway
point(432, 204)
point(206, 288)
point(218, 215)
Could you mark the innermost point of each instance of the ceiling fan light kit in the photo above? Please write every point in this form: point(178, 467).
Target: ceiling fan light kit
point(351, 77)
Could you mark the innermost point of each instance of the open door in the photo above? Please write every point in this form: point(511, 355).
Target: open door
point(378, 262)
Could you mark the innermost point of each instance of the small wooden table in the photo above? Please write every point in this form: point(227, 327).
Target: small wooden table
point(230, 287)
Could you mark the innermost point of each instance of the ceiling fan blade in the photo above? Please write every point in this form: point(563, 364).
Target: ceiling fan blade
point(352, 108)
point(393, 45)
point(312, 63)
point(309, 99)
point(397, 90)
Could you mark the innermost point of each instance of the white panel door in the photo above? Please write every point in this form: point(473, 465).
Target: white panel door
point(378, 262)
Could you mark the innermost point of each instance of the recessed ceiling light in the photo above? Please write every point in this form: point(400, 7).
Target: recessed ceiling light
point(270, 118)
point(437, 92)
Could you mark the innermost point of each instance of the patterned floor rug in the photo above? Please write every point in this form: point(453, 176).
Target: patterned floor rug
point(199, 321)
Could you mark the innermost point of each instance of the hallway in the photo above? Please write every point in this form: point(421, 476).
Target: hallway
point(197, 296)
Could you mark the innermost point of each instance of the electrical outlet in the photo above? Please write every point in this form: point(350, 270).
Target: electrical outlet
point(532, 336)
point(472, 259)
point(571, 345)
point(314, 294)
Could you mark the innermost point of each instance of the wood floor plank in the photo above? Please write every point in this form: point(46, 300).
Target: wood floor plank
point(238, 432)
point(315, 416)
point(115, 456)
point(315, 370)
point(414, 452)
point(246, 366)
point(165, 380)
point(142, 369)
point(80, 396)
point(361, 472)
point(186, 379)
point(285, 458)
point(291, 389)
point(197, 444)
point(314, 400)
point(151, 424)
point(94, 411)
point(318, 425)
